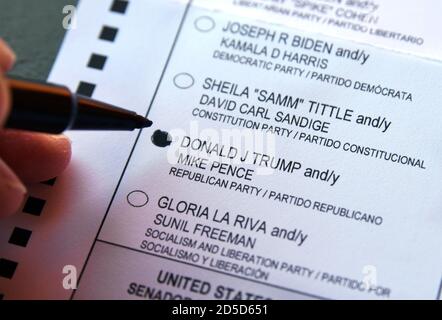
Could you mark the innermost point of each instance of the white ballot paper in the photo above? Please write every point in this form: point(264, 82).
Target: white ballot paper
point(301, 165)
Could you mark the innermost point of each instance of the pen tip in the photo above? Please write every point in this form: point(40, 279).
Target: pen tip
point(143, 122)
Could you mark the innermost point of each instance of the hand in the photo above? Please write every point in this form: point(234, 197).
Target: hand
point(25, 157)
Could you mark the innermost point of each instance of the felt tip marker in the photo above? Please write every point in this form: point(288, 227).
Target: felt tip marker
point(51, 108)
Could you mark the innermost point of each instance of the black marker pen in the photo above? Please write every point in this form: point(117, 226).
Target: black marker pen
point(52, 108)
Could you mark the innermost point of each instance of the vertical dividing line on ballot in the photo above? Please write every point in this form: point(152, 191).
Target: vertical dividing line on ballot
point(180, 26)
point(439, 292)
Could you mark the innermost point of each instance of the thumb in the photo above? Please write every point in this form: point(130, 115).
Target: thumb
point(12, 191)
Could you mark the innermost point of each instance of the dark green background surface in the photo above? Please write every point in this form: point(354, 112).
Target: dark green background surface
point(33, 28)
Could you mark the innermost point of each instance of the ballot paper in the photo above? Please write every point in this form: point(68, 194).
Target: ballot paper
point(302, 164)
